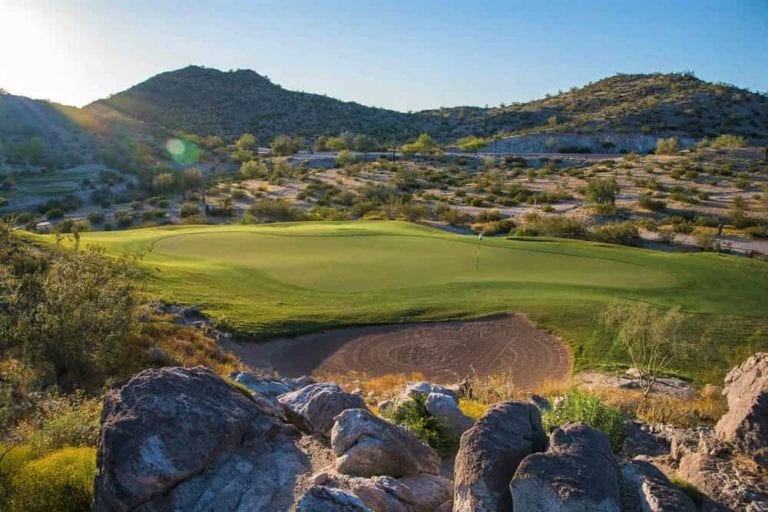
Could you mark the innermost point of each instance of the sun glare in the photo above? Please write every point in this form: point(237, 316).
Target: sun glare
point(32, 53)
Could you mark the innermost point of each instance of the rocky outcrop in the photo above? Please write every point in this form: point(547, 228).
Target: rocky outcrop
point(313, 408)
point(425, 388)
point(711, 465)
point(366, 445)
point(489, 454)
point(326, 499)
point(184, 439)
point(270, 388)
point(578, 472)
point(745, 425)
point(422, 493)
point(647, 489)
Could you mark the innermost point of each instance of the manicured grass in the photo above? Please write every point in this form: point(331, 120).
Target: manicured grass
point(285, 279)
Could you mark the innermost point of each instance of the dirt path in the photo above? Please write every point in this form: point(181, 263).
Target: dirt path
point(442, 351)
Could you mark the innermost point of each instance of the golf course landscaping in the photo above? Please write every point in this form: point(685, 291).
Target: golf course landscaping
point(275, 280)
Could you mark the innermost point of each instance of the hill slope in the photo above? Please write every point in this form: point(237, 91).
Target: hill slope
point(207, 101)
point(672, 104)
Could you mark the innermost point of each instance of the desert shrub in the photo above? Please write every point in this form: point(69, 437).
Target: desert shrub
point(275, 210)
point(556, 226)
point(647, 202)
point(61, 481)
point(72, 319)
point(344, 158)
point(414, 416)
point(195, 219)
point(123, 218)
point(757, 231)
point(95, 217)
point(729, 141)
point(667, 146)
point(54, 213)
point(188, 209)
point(623, 233)
point(580, 406)
point(452, 216)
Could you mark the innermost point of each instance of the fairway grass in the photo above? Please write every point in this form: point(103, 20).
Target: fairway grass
point(268, 280)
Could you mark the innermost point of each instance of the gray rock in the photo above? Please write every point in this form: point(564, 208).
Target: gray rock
point(447, 410)
point(313, 408)
point(366, 445)
point(326, 499)
point(649, 490)
point(269, 387)
point(746, 423)
point(422, 493)
point(426, 388)
point(541, 403)
point(489, 454)
point(578, 473)
point(184, 439)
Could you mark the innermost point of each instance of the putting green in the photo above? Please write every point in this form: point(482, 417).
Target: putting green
point(269, 280)
point(347, 263)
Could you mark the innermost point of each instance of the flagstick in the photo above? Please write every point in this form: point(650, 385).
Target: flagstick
point(477, 255)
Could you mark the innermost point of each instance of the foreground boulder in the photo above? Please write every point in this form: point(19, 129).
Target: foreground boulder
point(646, 486)
point(326, 499)
point(745, 425)
point(422, 493)
point(489, 454)
point(313, 408)
point(366, 445)
point(184, 439)
point(578, 473)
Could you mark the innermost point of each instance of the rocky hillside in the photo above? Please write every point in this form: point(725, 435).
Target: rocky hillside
point(56, 127)
point(207, 101)
point(204, 101)
point(186, 439)
point(669, 104)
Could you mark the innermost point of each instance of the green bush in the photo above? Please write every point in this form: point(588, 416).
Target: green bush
point(414, 416)
point(647, 202)
point(623, 233)
point(188, 209)
point(555, 226)
point(61, 481)
point(580, 406)
point(729, 141)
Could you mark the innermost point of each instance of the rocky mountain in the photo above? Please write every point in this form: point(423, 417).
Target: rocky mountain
point(666, 104)
point(207, 101)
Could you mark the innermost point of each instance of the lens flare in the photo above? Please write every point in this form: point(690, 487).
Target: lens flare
point(182, 151)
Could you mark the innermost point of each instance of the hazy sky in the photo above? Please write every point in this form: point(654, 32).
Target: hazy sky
point(406, 55)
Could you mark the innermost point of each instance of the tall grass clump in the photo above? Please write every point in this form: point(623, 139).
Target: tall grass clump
point(579, 406)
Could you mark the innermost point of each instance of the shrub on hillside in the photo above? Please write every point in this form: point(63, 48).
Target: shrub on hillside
point(188, 209)
point(580, 406)
point(623, 233)
point(275, 210)
point(555, 226)
point(414, 416)
point(649, 203)
point(729, 141)
point(61, 481)
point(667, 146)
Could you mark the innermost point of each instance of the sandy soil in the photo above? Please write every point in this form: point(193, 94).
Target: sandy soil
point(442, 351)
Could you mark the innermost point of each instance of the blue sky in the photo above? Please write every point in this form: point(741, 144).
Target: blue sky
point(406, 55)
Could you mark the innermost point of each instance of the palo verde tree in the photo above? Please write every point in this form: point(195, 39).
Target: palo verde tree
point(651, 338)
point(471, 143)
point(423, 145)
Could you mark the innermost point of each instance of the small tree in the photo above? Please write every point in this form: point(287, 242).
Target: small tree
point(246, 148)
point(471, 143)
point(602, 193)
point(648, 336)
point(424, 144)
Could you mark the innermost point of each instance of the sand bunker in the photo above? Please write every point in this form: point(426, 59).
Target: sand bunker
point(442, 351)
